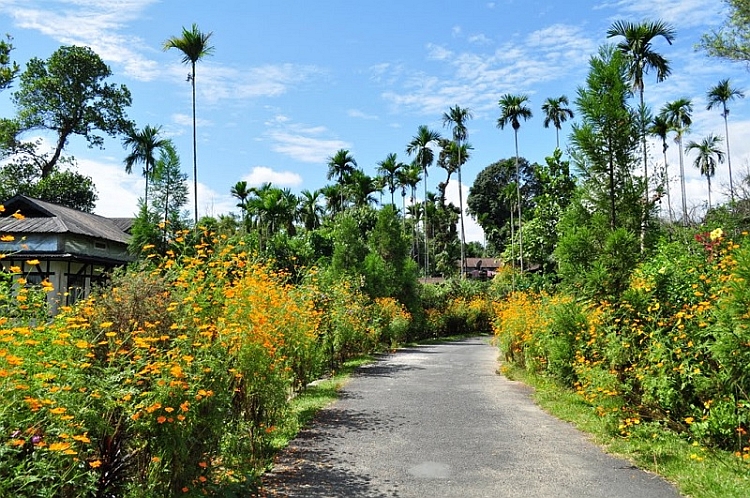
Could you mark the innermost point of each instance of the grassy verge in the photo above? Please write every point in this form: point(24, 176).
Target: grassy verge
point(698, 472)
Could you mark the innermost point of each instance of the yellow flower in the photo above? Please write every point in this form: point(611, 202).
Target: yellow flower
point(95, 464)
point(59, 446)
point(717, 234)
point(32, 262)
point(15, 269)
point(17, 215)
point(58, 411)
point(7, 238)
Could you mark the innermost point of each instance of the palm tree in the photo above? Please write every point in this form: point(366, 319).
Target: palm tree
point(722, 94)
point(709, 155)
point(388, 169)
point(513, 108)
point(360, 187)
point(310, 210)
point(340, 166)
point(556, 112)
point(241, 192)
point(456, 118)
point(194, 46)
point(660, 128)
point(636, 46)
point(424, 157)
point(143, 145)
point(678, 116)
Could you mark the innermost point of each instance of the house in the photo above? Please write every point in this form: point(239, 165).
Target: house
point(482, 268)
point(72, 249)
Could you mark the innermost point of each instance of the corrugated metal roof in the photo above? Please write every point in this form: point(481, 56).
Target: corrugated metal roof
point(45, 217)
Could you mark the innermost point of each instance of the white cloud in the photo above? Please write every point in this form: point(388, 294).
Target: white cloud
point(356, 113)
point(187, 120)
point(479, 39)
point(302, 142)
point(262, 174)
point(683, 13)
point(93, 23)
point(557, 52)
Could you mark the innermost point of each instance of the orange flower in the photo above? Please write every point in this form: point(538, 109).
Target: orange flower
point(59, 446)
point(161, 419)
point(32, 262)
point(17, 215)
point(95, 464)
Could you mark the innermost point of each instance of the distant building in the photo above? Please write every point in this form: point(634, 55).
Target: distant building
point(72, 249)
point(482, 268)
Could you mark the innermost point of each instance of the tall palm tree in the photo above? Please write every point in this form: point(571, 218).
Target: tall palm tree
point(722, 94)
point(241, 192)
point(360, 186)
point(678, 114)
point(513, 108)
point(556, 112)
point(194, 46)
point(340, 166)
point(456, 119)
point(388, 168)
point(636, 46)
point(310, 210)
point(660, 128)
point(709, 155)
point(424, 157)
point(143, 145)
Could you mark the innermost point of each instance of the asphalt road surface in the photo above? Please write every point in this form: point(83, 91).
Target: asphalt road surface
point(438, 421)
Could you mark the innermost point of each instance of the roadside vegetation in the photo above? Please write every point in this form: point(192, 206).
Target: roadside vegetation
point(185, 373)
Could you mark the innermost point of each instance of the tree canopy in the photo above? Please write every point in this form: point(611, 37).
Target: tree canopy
point(732, 40)
point(67, 95)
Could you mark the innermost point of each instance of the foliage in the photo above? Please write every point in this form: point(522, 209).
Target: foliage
point(669, 350)
point(66, 187)
point(67, 95)
point(488, 206)
point(732, 40)
point(173, 380)
point(8, 69)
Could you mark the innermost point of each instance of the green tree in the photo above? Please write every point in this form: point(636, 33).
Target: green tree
point(556, 112)
point(340, 166)
point(67, 188)
point(456, 119)
point(241, 192)
point(732, 40)
point(604, 142)
point(8, 69)
point(678, 114)
point(488, 205)
point(660, 128)
point(170, 188)
point(421, 148)
point(709, 155)
point(67, 95)
point(636, 45)
point(388, 168)
point(722, 94)
point(310, 210)
point(194, 45)
point(360, 188)
point(513, 108)
point(143, 145)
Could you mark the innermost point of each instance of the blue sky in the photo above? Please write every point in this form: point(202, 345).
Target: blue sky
point(291, 82)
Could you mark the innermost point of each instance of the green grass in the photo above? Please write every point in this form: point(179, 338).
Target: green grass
point(698, 472)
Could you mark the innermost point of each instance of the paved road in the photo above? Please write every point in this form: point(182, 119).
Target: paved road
point(437, 421)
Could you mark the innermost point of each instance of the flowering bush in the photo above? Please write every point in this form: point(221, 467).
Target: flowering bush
point(672, 350)
point(173, 380)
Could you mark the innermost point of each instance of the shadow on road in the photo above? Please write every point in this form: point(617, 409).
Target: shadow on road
point(304, 470)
